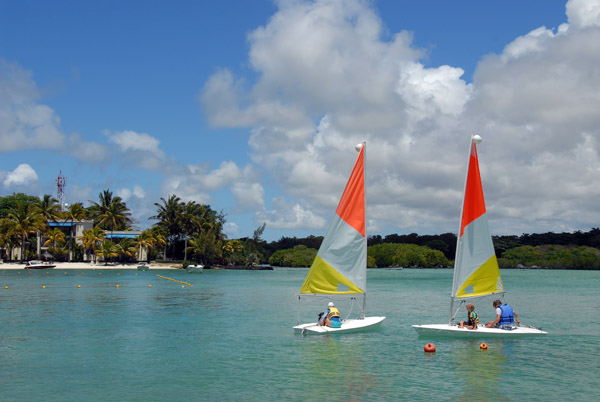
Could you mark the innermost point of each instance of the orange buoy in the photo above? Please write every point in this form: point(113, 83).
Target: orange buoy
point(429, 348)
point(483, 346)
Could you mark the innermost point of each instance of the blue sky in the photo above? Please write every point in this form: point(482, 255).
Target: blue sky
point(254, 107)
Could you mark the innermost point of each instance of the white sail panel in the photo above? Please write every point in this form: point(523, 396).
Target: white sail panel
point(345, 249)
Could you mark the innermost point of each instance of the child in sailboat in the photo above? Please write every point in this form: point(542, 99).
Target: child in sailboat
point(332, 317)
point(472, 318)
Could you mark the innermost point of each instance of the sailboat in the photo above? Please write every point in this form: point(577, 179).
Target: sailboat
point(476, 271)
point(340, 267)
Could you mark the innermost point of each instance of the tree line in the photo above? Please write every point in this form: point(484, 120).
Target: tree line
point(188, 231)
point(578, 250)
point(181, 230)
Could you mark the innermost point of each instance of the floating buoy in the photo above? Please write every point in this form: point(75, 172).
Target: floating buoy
point(44, 287)
point(149, 286)
point(78, 286)
point(6, 287)
point(117, 285)
point(483, 346)
point(429, 348)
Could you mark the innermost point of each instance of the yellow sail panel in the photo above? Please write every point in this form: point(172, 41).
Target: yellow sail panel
point(323, 278)
point(484, 281)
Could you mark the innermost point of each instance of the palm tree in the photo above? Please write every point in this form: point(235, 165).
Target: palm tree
point(145, 241)
point(111, 212)
point(75, 212)
point(160, 240)
point(25, 219)
point(169, 218)
point(91, 238)
point(49, 208)
point(232, 246)
point(126, 248)
point(107, 249)
point(190, 222)
point(55, 236)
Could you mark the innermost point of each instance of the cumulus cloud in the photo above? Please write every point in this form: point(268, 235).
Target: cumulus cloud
point(231, 229)
point(23, 175)
point(286, 215)
point(138, 149)
point(24, 122)
point(584, 13)
point(249, 196)
point(126, 193)
point(328, 77)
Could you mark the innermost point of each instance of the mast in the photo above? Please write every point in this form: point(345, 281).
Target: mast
point(364, 146)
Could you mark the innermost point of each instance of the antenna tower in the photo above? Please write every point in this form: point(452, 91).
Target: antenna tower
point(61, 183)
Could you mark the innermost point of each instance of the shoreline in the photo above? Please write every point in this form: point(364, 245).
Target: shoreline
point(91, 266)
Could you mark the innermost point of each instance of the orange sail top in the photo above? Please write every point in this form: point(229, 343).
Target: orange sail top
point(352, 204)
point(474, 204)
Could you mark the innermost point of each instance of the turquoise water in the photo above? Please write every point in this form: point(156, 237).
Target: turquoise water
point(229, 338)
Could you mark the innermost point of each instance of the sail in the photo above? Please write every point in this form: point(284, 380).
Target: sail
point(476, 271)
point(340, 266)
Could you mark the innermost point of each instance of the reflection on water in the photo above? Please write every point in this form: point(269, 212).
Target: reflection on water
point(334, 365)
point(480, 370)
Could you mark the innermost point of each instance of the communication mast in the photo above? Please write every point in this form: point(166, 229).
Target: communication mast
point(61, 183)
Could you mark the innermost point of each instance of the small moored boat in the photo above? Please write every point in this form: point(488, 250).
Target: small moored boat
point(143, 267)
point(39, 265)
point(195, 269)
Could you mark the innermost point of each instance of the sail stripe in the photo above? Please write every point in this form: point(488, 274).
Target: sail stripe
point(352, 204)
point(474, 203)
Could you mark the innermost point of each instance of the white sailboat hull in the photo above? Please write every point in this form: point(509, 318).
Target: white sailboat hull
point(453, 331)
point(348, 326)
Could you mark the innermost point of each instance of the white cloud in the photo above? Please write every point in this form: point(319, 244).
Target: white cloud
point(249, 196)
point(139, 150)
point(286, 215)
point(584, 13)
point(231, 230)
point(131, 141)
point(328, 62)
point(86, 151)
point(24, 123)
point(126, 194)
point(23, 175)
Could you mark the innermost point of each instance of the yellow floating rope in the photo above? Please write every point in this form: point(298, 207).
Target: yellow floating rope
point(174, 280)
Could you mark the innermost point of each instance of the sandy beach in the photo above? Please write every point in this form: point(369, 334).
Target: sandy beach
point(89, 265)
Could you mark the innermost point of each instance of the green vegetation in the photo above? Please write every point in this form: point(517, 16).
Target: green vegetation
point(299, 256)
point(189, 231)
point(406, 255)
point(551, 256)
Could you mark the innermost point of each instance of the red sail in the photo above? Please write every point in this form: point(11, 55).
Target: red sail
point(352, 205)
point(474, 205)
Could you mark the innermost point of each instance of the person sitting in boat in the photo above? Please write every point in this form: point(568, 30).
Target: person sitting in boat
point(472, 318)
point(504, 315)
point(332, 317)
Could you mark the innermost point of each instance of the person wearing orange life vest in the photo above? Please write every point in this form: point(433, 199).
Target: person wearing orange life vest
point(332, 317)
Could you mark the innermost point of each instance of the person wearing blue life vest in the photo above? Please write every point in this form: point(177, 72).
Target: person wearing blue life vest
point(332, 317)
point(504, 315)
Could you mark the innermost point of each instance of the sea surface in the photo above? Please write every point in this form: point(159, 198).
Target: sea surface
point(75, 336)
